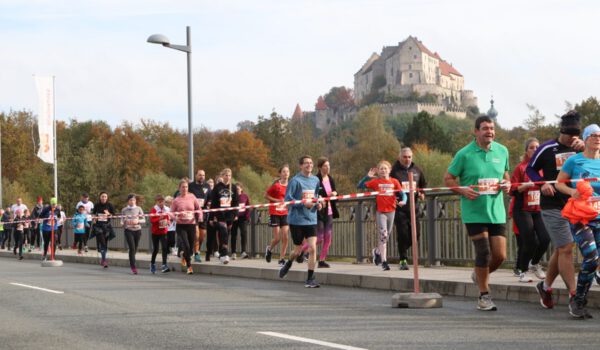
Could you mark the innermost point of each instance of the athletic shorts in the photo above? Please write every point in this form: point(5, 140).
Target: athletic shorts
point(278, 221)
point(558, 227)
point(300, 232)
point(492, 229)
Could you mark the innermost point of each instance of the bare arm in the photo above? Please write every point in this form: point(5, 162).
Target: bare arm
point(452, 181)
point(562, 186)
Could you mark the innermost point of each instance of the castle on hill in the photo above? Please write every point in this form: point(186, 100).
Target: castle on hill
point(405, 78)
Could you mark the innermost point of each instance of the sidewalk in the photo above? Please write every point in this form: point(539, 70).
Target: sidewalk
point(452, 281)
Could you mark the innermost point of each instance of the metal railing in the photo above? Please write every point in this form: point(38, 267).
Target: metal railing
point(443, 237)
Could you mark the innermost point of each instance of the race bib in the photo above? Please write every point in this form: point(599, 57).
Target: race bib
point(80, 226)
point(406, 186)
point(19, 227)
point(280, 207)
point(132, 222)
point(187, 216)
point(308, 194)
point(386, 187)
point(200, 202)
point(533, 198)
point(488, 186)
point(163, 224)
point(225, 202)
point(242, 207)
point(561, 158)
point(102, 217)
point(595, 202)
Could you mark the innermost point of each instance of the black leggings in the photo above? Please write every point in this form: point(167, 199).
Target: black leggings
point(34, 236)
point(211, 238)
point(187, 237)
point(79, 240)
point(132, 238)
point(59, 235)
point(223, 229)
point(403, 233)
point(533, 236)
point(18, 235)
point(165, 248)
point(171, 238)
point(241, 225)
point(47, 240)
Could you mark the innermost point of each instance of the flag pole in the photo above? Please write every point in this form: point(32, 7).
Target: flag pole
point(54, 138)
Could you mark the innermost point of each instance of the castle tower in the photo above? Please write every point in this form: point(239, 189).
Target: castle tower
point(492, 112)
point(297, 115)
point(321, 114)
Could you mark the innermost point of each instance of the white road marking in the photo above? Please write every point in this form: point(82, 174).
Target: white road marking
point(311, 341)
point(37, 288)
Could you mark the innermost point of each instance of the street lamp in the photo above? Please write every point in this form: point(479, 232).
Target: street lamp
point(164, 41)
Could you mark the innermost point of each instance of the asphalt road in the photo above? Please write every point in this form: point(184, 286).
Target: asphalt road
point(112, 309)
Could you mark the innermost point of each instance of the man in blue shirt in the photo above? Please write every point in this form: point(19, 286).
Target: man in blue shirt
point(302, 217)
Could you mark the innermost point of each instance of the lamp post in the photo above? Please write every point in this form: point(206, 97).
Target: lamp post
point(164, 41)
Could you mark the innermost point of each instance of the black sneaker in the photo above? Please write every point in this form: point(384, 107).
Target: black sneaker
point(311, 283)
point(585, 311)
point(302, 258)
point(376, 257)
point(577, 308)
point(284, 270)
point(281, 262)
point(323, 264)
point(545, 296)
point(385, 266)
point(268, 254)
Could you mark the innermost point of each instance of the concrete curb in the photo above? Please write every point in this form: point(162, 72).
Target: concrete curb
point(525, 293)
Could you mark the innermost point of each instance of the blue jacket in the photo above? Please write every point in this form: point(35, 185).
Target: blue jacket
point(298, 188)
point(47, 214)
point(79, 220)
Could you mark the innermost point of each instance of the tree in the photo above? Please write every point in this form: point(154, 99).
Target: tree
point(589, 110)
point(339, 97)
point(535, 120)
point(424, 130)
point(153, 184)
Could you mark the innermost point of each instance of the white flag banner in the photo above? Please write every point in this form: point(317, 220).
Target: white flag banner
point(45, 90)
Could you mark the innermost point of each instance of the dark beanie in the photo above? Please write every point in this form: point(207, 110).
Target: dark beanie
point(570, 123)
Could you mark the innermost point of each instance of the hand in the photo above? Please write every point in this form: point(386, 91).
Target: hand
point(469, 193)
point(505, 186)
point(575, 194)
point(334, 193)
point(548, 190)
point(422, 195)
point(372, 172)
point(401, 204)
point(309, 205)
point(578, 145)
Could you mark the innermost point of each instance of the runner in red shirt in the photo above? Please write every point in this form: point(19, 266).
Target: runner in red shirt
point(278, 215)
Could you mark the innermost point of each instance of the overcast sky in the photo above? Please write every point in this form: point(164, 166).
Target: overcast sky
point(250, 57)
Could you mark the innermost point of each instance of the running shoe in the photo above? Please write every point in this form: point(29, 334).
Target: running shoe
point(134, 270)
point(281, 262)
point(216, 255)
point(586, 312)
point(165, 268)
point(152, 268)
point(233, 256)
point(268, 254)
point(85, 249)
point(516, 271)
point(403, 265)
point(21, 258)
point(104, 264)
point(224, 259)
point(311, 283)
point(285, 269)
point(525, 277)
point(244, 255)
point(15, 251)
point(485, 303)
point(537, 271)
point(323, 264)
point(376, 257)
point(190, 271)
point(577, 307)
point(197, 257)
point(385, 266)
point(79, 252)
point(546, 299)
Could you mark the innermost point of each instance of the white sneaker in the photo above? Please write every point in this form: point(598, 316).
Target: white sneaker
point(216, 255)
point(224, 260)
point(537, 271)
point(525, 277)
point(485, 303)
point(244, 255)
point(233, 256)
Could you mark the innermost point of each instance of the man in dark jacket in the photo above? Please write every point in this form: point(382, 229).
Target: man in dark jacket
point(400, 171)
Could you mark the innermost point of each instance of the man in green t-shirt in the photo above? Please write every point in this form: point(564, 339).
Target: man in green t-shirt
point(482, 165)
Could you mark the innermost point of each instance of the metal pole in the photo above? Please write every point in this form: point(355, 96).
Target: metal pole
point(413, 220)
point(359, 225)
point(54, 137)
point(1, 205)
point(431, 231)
point(189, 88)
point(253, 220)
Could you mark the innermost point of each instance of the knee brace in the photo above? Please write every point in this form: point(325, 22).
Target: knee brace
point(482, 252)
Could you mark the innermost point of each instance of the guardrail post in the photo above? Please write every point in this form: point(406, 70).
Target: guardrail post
point(432, 255)
point(359, 231)
point(253, 220)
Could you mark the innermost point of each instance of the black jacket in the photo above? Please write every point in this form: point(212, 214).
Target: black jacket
point(322, 214)
point(400, 173)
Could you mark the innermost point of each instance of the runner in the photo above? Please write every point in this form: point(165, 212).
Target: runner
point(103, 229)
point(587, 237)
point(549, 158)
point(80, 225)
point(483, 162)
point(201, 190)
point(61, 220)
point(302, 217)
point(404, 165)
point(8, 228)
point(27, 229)
point(186, 211)
point(240, 223)
point(89, 206)
point(132, 224)
point(533, 237)
point(50, 216)
point(159, 219)
point(36, 231)
point(278, 215)
point(19, 233)
point(171, 232)
point(386, 207)
point(224, 195)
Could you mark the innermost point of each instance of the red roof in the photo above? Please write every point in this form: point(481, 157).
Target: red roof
point(447, 69)
point(321, 105)
point(423, 48)
point(297, 112)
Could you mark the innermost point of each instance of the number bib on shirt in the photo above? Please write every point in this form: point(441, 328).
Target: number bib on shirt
point(561, 158)
point(488, 186)
point(406, 186)
point(533, 198)
point(200, 202)
point(595, 202)
point(80, 226)
point(163, 223)
point(280, 207)
point(102, 217)
point(187, 216)
point(225, 202)
point(386, 187)
point(132, 222)
point(308, 194)
point(242, 207)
